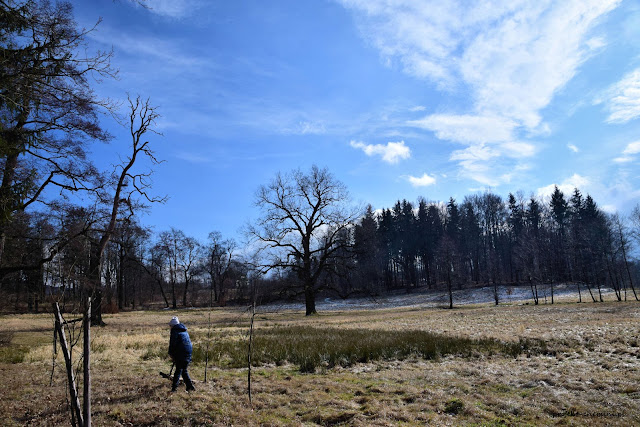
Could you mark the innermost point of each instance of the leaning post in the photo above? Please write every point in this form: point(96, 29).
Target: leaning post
point(86, 397)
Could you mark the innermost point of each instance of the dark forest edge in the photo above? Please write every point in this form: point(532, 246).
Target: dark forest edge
point(432, 247)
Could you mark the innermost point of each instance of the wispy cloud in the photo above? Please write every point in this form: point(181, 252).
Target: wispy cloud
point(192, 158)
point(424, 181)
point(629, 153)
point(308, 127)
point(573, 148)
point(139, 45)
point(623, 99)
point(510, 57)
point(467, 128)
point(172, 8)
point(393, 152)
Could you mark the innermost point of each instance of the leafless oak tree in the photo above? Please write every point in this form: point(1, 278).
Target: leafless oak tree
point(304, 216)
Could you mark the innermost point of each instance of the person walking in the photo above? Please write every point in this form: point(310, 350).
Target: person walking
point(180, 350)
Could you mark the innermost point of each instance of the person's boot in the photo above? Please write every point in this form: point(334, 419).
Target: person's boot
point(187, 381)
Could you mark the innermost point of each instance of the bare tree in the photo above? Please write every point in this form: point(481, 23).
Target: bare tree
point(621, 233)
point(300, 229)
point(219, 254)
point(181, 253)
point(158, 263)
point(48, 111)
point(129, 189)
point(188, 257)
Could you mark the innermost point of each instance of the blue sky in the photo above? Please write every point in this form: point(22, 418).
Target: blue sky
point(398, 99)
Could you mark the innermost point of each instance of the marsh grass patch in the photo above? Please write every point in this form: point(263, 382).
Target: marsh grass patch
point(13, 354)
point(311, 348)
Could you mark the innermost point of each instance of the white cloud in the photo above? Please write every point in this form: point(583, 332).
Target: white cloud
point(514, 56)
point(567, 186)
point(517, 149)
point(628, 154)
point(516, 66)
point(623, 99)
point(307, 127)
point(509, 58)
point(475, 164)
point(623, 159)
point(417, 108)
point(467, 128)
point(393, 152)
point(423, 181)
point(632, 148)
point(615, 193)
point(573, 148)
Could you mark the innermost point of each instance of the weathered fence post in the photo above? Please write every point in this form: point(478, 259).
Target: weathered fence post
point(249, 351)
point(76, 412)
point(86, 397)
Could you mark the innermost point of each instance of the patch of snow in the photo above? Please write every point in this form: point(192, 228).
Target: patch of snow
point(440, 298)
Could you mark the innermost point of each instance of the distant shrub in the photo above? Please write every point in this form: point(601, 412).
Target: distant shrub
point(5, 338)
point(154, 352)
point(13, 354)
point(454, 406)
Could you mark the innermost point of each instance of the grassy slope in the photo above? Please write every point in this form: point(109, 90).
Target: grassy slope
point(591, 373)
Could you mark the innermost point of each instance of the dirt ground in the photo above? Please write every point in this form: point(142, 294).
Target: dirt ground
point(591, 375)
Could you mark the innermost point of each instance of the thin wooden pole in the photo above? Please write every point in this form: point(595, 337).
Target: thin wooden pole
point(253, 315)
point(73, 391)
point(86, 396)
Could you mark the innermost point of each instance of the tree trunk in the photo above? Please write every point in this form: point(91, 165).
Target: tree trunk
point(6, 196)
point(121, 292)
point(534, 291)
point(173, 291)
point(626, 264)
point(184, 295)
point(310, 300)
point(95, 287)
point(449, 286)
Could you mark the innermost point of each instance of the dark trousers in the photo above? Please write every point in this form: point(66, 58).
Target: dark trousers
point(181, 369)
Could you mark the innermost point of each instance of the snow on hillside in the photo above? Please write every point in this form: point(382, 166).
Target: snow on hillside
point(428, 298)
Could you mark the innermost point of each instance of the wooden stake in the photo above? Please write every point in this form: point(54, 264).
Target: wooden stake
point(76, 412)
point(86, 396)
point(253, 315)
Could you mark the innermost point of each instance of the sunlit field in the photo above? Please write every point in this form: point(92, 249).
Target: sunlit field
point(567, 364)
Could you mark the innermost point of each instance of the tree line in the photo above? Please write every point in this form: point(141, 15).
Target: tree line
point(485, 240)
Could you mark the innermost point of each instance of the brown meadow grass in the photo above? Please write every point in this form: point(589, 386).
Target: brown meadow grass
point(588, 373)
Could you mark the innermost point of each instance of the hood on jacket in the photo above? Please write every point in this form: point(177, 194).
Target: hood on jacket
point(179, 327)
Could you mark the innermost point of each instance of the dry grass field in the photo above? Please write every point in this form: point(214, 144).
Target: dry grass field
point(561, 364)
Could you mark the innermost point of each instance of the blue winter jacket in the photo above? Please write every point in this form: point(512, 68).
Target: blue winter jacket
point(180, 347)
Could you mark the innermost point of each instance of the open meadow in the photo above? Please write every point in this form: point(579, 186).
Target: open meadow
point(561, 364)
